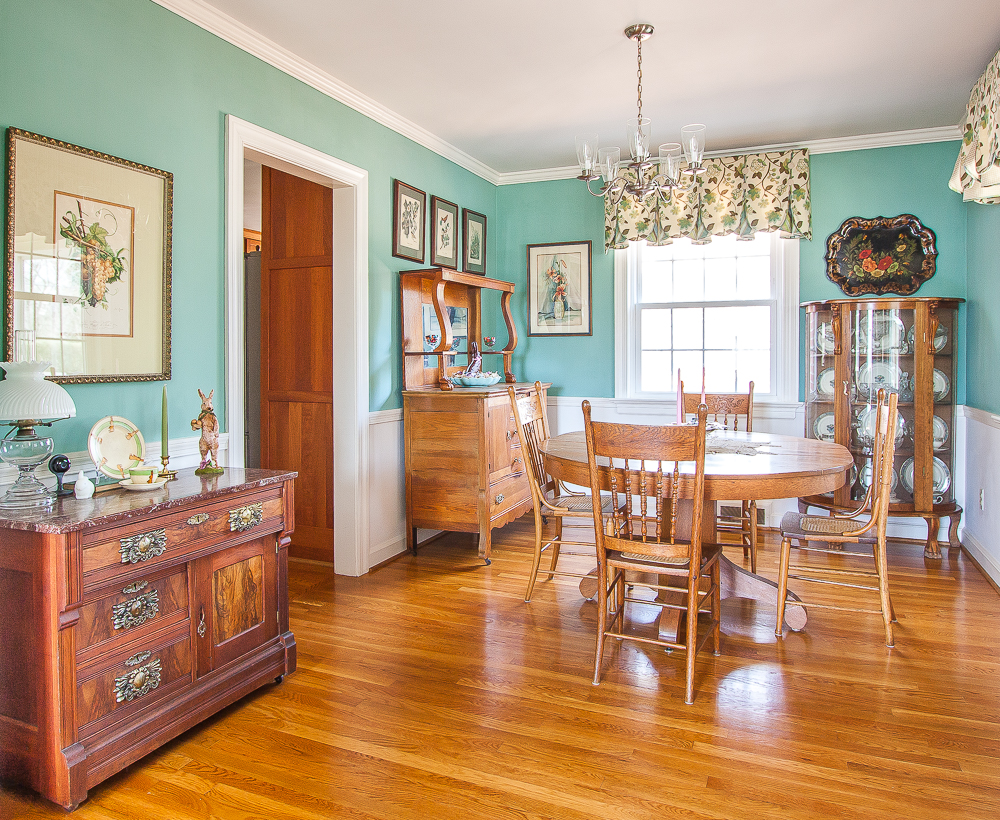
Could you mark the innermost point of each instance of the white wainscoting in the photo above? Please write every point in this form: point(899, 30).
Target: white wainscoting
point(386, 486)
point(183, 454)
point(979, 440)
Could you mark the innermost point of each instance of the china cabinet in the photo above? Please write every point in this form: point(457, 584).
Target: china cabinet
point(130, 617)
point(854, 348)
point(463, 462)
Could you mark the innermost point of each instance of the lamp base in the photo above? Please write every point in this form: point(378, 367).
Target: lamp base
point(26, 452)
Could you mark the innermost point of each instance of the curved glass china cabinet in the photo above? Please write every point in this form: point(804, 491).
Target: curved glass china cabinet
point(855, 347)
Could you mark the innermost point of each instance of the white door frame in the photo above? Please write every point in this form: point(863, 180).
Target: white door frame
point(350, 320)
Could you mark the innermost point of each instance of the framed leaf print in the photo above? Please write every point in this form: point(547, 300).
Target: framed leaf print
point(559, 289)
point(881, 255)
point(409, 217)
point(473, 242)
point(444, 233)
point(88, 260)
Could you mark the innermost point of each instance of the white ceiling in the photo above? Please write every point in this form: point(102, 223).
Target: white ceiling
point(511, 82)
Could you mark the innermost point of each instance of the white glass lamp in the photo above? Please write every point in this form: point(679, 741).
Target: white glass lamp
point(28, 400)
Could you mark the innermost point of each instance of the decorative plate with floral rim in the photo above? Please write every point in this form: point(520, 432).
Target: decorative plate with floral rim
point(115, 445)
point(881, 255)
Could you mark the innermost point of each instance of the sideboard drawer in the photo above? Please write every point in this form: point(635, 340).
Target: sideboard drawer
point(175, 535)
point(125, 613)
point(107, 693)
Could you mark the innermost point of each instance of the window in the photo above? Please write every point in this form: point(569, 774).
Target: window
point(729, 306)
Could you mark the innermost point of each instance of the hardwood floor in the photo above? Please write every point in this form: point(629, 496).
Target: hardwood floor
point(429, 689)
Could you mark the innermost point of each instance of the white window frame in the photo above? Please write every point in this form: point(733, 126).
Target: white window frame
point(785, 331)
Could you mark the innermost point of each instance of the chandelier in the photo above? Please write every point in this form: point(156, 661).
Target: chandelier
point(644, 174)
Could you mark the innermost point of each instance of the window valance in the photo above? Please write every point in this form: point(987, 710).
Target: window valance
point(739, 194)
point(977, 171)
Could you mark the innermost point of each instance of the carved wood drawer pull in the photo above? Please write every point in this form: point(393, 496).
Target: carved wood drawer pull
point(138, 548)
point(135, 611)
point(246, 518)
point(200, 518)
point(138, 682)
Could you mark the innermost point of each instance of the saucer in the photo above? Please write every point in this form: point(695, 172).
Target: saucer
point(128, 485)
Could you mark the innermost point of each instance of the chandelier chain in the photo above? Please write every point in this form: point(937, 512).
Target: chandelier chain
point(639, 73)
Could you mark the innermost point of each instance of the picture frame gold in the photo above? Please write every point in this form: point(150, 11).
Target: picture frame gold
point(559, 289)
point(88, 260)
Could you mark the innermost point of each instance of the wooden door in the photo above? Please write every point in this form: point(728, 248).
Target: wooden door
point(296, 374)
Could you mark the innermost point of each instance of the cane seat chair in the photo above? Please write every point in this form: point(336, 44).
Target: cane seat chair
point(841, 530)
point(734, 411)
point(549, 498)
point(642, 467)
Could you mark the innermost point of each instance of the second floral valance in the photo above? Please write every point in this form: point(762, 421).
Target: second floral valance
point(977, 171)
point(739, 194)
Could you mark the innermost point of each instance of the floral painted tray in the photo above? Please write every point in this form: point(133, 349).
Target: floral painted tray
point(881, 255)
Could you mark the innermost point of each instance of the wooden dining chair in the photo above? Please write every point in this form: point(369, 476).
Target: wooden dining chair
point(549, 498)
point(734, 411)
point(838, 530)
point(640, 465)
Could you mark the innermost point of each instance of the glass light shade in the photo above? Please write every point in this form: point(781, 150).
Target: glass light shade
point(637, 135)
point(670, 161)
point(693, 140)
point(586, 153)
point(607, 165)
point(26, 394)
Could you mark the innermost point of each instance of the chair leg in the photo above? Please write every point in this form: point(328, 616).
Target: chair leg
point(716, 579)
point(745, 527)
point(554, 547)
point(753, 537)
point(786, 548)
point(692, 639)
point(536, 559)
point(602, 615)
point(881, 567)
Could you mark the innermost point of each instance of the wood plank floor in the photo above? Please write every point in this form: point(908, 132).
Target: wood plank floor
point(429, 689)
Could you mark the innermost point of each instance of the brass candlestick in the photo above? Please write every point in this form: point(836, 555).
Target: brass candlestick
point(169, 475)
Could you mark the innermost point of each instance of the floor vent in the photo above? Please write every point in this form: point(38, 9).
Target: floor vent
point(732, 514)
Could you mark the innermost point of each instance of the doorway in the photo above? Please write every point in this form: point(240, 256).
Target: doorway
point(349, 313)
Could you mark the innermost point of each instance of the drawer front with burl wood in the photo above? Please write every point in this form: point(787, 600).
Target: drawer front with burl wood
point(177, 535)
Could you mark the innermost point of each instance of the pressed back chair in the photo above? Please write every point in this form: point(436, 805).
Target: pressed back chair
point(549, 498)
point(734, 411)
point(641, 465)
point(839, 530)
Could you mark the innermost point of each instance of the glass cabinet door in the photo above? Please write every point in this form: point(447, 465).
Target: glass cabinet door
point(940, 343)
point(820, 375)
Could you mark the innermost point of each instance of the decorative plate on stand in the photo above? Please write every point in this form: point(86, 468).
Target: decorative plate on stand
point(115, 445)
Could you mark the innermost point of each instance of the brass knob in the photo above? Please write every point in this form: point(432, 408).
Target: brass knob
point(139, 678)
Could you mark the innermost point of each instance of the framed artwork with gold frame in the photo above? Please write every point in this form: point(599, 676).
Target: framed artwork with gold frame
point(88, 261)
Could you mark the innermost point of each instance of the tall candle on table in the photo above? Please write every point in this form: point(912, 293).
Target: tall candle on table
point(703, 385)
point(680, 398)
point(164, 439)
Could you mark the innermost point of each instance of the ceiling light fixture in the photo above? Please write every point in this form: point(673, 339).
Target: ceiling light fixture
point(643, 175)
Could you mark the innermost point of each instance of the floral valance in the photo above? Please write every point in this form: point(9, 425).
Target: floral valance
point(739, 194)
point(977, 171)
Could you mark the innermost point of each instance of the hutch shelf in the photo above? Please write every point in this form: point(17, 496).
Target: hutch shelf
point(855, 347)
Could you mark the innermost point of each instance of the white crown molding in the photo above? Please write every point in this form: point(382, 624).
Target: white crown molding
point(890, 139)
point(234, 32)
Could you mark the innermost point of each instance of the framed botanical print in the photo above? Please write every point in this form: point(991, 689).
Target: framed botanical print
point(559, 289)
point(444, 233)
point(473, 242)
point(409, 218)
point(88, 260)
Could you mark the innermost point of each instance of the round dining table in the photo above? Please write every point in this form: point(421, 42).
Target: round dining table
point(738, 466)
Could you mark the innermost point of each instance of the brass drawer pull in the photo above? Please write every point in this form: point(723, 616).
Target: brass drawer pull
point(138, 548)
point(135, 611)
point(516, 461)
point(201, 625)
point(200, 518)
point(138, 682)
point(138, 586)
point(500, 499)
point(246, 518)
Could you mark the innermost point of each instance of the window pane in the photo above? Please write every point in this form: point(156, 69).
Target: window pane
point(689, 280)
point(688, 328)
point(754, 366)
point(720, 279)
point(656, 372)
point(690, 364)
point(753, 277)
point(657, 282)
point(720, 371)
point(655, 325)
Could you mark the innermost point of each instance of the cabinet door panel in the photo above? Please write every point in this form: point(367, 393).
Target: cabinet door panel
point(237, 605)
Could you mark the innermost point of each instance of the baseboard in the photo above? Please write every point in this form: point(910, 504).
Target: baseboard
point(981, 558)
point(386, 551)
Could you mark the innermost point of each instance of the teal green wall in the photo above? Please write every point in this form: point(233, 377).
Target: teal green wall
point(559, 211)
point(131, 79)
point(874, 182)
point(983, 330)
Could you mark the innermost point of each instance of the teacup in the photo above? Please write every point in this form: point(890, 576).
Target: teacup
point(143, 474)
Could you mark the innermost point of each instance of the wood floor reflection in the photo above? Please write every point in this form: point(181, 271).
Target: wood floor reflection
point(429, 689)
